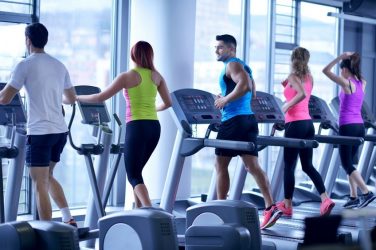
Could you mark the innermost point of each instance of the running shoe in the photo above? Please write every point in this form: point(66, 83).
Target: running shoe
point(270, 217)
point(366, 199)
point(326, 206)
point(287, 211)
point(351, 202)
point(71, 222)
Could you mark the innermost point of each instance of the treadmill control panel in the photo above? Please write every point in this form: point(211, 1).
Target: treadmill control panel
point(319, 111)
point(195, 106)
point(266, 108)
point(15, 107)
point(92, 113)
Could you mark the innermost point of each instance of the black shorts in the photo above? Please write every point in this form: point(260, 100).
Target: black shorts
point(238, 128)
point(42, 149)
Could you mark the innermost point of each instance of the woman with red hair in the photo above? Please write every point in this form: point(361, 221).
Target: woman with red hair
point(140, 86)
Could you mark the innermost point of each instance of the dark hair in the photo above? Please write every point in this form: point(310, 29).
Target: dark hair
point(352, 64)
point(299, 62)
point(227, 39)
point(142, 54)
point(38, 34)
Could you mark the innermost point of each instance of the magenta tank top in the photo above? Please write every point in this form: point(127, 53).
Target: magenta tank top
point(351, 105)
point(300, 110)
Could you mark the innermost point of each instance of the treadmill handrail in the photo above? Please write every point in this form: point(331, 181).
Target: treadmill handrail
point(191, 145)
point(286, 142)
point(342, 140)
point(226, 144)
point(371, 138)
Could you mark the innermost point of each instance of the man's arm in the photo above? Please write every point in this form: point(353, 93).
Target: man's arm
point(7, 94)
point(69, 96)
point(237, 73)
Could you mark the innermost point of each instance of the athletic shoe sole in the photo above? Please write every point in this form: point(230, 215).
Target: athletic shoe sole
point(273, 219)
point(367, 202)
point(351, 206)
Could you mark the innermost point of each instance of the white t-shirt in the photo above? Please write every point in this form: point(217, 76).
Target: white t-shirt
point(44, 79)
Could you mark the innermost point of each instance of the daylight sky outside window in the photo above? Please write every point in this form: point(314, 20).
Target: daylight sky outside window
point(80, 37)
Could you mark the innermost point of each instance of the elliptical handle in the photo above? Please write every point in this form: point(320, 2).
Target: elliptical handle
point(117, 120)
point(70, 126)
point(14, 128)
point(116, 117)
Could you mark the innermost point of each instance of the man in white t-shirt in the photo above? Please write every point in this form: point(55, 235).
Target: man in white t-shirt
point(48, 85)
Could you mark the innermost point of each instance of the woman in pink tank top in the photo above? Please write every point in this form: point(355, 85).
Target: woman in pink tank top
point(350, 122)
point(299, 125)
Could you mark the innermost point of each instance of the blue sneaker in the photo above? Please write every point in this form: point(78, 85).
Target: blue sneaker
point(351, 202)
point(366, 199)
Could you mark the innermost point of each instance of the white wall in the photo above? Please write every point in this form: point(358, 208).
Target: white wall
point(169, 26)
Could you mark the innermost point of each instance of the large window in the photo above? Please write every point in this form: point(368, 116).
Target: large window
point(212, 18)
point(258, 43)
point(12, 47)
point(319, 34)
point(298, 23)
point(79, 36)
point(12, 51)
point(18, 6)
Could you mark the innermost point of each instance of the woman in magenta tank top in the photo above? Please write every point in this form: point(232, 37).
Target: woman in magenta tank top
point(351, 122)
point(299, 125)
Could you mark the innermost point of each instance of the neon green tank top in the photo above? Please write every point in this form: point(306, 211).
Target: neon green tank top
point(140, 100)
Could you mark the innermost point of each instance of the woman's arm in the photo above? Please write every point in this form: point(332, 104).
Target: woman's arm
point(296, 84)
point(165, 95)
point(118, 84)
point(344, 83)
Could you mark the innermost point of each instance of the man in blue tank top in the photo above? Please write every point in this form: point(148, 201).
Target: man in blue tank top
point(239, 124)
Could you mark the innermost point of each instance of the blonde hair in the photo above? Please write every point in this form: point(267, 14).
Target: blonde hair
point(299, 62)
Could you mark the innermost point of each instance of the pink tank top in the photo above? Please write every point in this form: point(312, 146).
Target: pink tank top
point(351, 105)
point(300, 110)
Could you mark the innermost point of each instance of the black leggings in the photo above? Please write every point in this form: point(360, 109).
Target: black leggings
point(300, 130)
point(348, 153)
point(141, 138)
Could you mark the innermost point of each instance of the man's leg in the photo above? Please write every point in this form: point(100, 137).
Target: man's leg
point(223, 179)
point(55, 189)
point(40, 178)
point(253, 167)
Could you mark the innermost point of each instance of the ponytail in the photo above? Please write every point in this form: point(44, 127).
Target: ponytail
point(353, 65)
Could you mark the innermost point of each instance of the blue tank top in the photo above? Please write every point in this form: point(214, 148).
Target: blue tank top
point(240, 106)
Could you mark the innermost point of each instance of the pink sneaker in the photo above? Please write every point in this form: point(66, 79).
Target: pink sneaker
point(326, 206)
point(287, 211)
point(270, 217)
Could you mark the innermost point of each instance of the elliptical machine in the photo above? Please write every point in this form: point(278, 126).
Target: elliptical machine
point(13, 117)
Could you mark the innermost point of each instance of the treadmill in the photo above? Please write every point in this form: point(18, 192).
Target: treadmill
point(304, 207)
point(189, 107)
point(366, 163)
point(320, 113)
point(267, 110)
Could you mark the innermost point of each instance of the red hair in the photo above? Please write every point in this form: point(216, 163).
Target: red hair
point(142, 54)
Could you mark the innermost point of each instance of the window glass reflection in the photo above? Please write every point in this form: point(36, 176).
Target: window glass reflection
point(79, 36)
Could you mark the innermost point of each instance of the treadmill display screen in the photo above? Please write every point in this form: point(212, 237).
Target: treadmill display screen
point(92, 113)
point(266, 109)
point(198, 103)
